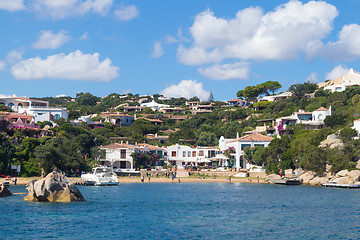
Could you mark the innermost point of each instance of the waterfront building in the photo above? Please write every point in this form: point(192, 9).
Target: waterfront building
point(240, 143)
point(181, 155)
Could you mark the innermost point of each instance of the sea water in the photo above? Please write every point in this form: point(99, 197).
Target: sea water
point(187, 211)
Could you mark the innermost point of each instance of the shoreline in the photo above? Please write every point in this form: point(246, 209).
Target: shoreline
point(25, 180)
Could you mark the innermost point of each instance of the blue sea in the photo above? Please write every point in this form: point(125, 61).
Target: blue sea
point(187, 211)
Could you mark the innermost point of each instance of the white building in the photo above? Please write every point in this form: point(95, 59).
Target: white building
point(40, 110)
point(341, 83)
point(239, 144)
point(154, 105)
point(278, 97)
point(312, 120)
point(181, 155)
point(118, 155)
point(118, 119)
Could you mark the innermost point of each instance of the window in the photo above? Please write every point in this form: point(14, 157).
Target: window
point(184, 153)
point(10, 105)
point(201, 153)
point(123, 153)
point(320, 117)
point(189, 154)
point(211, 153)
point(243, 146)
point(183, 163)
point(173, 153)
point(194, 154)
point(56, 117)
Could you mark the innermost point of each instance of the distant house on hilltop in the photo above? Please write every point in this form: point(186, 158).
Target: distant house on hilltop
point(278, 97)
point(341, 83)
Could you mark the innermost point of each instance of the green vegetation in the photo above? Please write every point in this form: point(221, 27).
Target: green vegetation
point(77, 147)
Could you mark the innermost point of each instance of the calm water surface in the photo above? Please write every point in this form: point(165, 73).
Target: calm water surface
point(187, 211)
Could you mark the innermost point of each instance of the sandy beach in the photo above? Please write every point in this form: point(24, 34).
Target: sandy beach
point(24, 181)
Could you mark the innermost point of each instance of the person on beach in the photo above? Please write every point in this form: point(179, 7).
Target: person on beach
point(149, 176)
point(142, 178)
point(173, 177)
point(179, 180)
point(229, 179)
point(257, 179)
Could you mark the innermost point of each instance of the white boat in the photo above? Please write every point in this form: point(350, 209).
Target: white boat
point(100, 176)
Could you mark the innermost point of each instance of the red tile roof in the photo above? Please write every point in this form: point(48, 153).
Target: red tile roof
point(321, 109)
point(255, 137)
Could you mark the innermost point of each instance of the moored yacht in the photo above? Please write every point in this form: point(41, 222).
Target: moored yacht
point(100, 176)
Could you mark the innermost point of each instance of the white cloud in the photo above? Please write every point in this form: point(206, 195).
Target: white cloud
point(187, 89)
point(11, 58)
point(126, 13)
point(312, 78)
point(2, 65)
point(239, 70)
point(336, 72)
point(12, 5)
point(345, 48)
point(61, 95)
point(14, 56)
point(74, 66)
point(49, 40)
point(280, 34)
point(157, 50)
point(59, 9)
point(84, 36)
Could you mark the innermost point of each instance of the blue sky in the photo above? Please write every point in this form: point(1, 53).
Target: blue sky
point(177, 48)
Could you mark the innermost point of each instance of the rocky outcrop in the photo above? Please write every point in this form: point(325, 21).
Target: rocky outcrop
point(332, 142)
point(318, 180)
point(306, 177)
point(272, 177)
point(342, 180)
point(342, 173)
point(354, 175)
point(4, 191)
point(55, 187)
point(358, 164)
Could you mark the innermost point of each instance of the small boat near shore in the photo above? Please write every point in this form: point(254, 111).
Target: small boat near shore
point(100, 176)
point(286, 181)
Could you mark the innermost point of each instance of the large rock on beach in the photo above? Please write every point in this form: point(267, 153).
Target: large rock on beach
point(318, 180)
point(354, 175)
point(306, 177)
point(4, 191)
point(273, 177)
point(55, 187)
point(343, 180)
point(342, 173)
